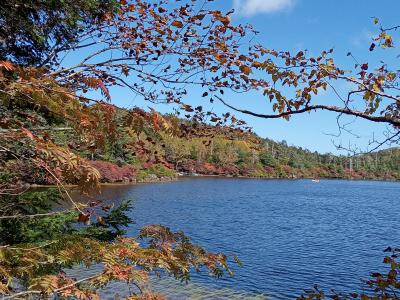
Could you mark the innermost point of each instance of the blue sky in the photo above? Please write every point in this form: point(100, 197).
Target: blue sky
point(315, 25)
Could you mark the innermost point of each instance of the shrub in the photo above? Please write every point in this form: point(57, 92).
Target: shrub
point(112, 173)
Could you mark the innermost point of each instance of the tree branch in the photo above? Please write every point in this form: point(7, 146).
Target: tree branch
point(395, 122)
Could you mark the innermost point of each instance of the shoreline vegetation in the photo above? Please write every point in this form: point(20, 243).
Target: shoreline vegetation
point(122, 173)
point(161, 157)
point(229, 159)
point(184, 176)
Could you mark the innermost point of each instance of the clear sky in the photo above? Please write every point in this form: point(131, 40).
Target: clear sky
point(315, 25)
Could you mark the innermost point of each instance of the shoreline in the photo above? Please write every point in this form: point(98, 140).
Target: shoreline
point(175, 179)
point(292, 179)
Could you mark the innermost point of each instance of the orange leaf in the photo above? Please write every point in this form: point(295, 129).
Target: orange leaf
point(155, 121)
point(7, 65)
point(245, 69)
point(178, 24)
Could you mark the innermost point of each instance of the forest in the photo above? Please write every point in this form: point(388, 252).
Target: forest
point(222, 152)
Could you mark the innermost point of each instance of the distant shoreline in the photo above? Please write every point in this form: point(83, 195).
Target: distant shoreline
point(175, 179)
point(281, 178)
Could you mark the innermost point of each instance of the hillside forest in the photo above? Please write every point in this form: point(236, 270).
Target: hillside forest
point(221, 152)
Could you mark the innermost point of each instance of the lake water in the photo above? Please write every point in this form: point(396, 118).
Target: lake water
point(290, 234)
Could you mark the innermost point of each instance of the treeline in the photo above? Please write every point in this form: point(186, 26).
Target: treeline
point(225, 153)
point(273, 159)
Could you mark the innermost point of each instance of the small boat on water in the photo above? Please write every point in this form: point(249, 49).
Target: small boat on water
point(315, 180)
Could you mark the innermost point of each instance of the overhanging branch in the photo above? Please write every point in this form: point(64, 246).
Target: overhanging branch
point(379, 119)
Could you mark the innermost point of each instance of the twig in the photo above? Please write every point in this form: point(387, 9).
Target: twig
point(26, 293)
point(33, 216)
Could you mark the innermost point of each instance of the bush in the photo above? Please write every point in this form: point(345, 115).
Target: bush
point(112, 173)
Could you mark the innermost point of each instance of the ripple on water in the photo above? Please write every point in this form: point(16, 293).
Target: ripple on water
point(289, 234)
point(174, 290)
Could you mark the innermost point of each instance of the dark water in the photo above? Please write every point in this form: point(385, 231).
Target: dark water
point(290, 235)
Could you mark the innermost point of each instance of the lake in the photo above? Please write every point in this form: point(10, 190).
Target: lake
point(289, 234)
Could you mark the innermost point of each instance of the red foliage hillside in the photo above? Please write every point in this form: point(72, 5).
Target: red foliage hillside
point(112, 173)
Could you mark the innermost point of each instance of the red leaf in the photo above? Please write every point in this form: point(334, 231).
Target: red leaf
point(28, 133)
point(104, 89)
point(83, 218)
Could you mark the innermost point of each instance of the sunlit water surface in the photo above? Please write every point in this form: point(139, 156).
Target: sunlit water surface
point(290, 234)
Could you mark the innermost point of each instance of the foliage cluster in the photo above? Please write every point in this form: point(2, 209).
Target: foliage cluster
point(238, 154)
point(56, 115)
point(266, 158)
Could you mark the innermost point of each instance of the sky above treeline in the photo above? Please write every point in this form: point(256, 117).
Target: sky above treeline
point(317, 25)
point(312, 25)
